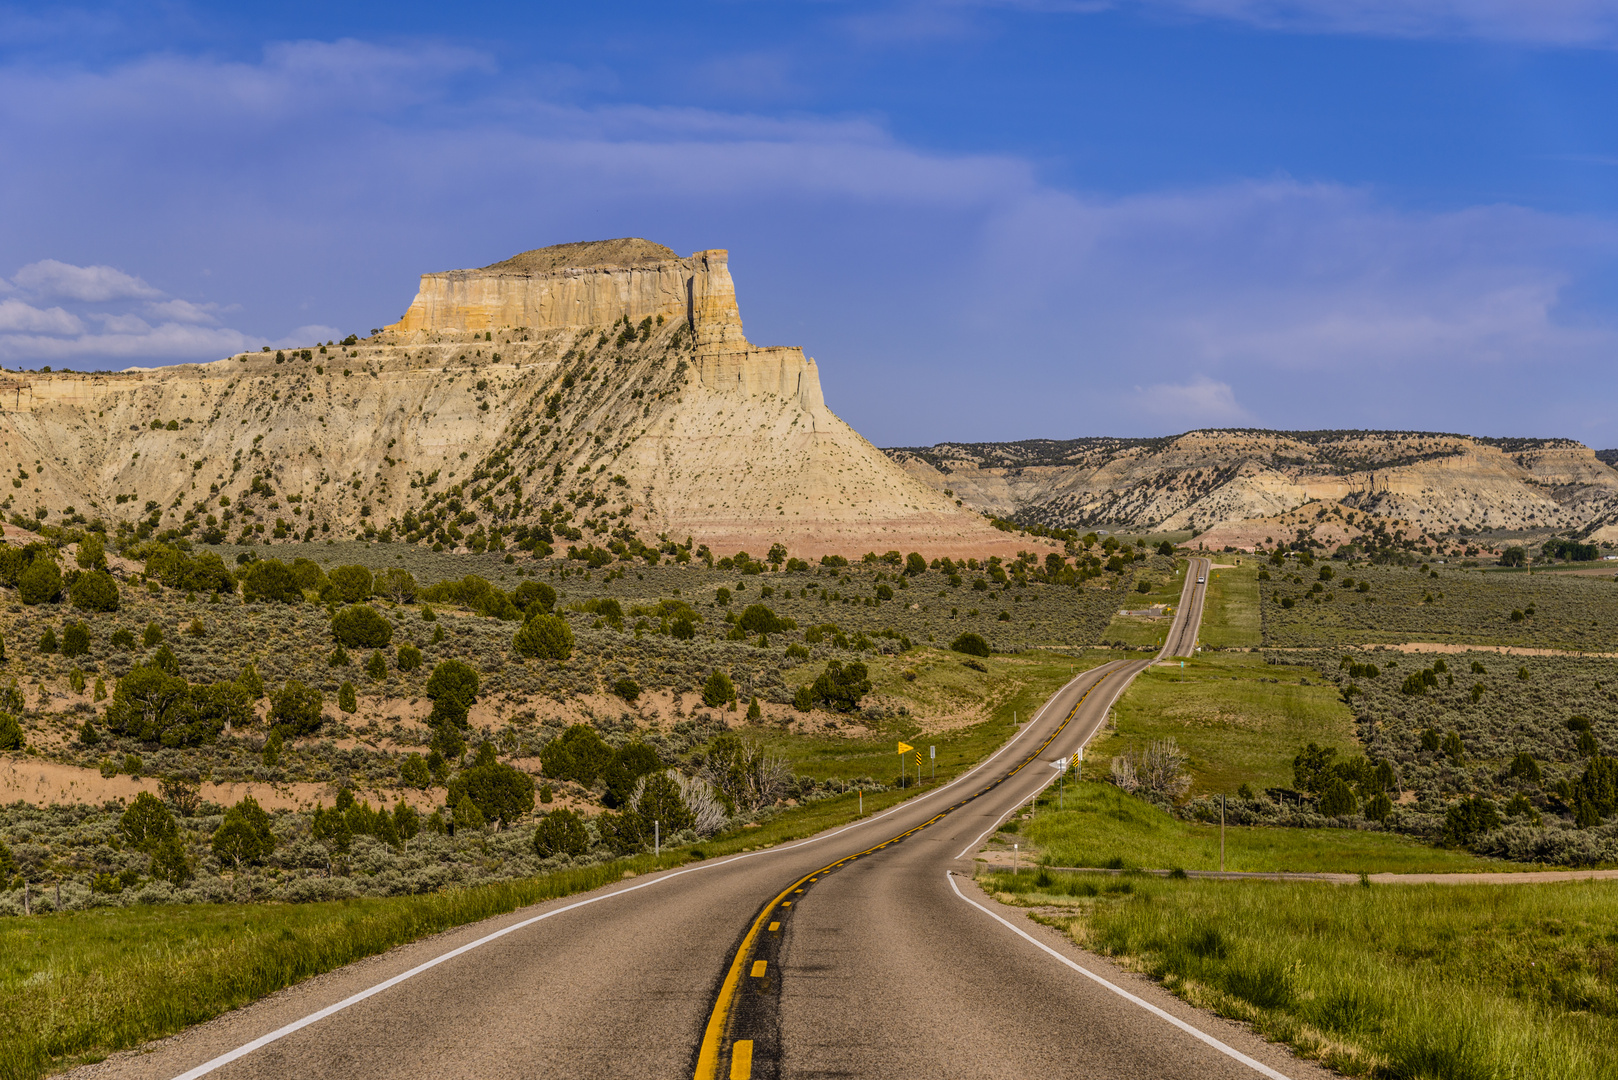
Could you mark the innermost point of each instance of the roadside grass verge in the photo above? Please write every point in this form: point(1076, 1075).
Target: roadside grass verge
point(1240, 719)
point(1230, 612)
point(76, 986)
point(1008, 693)
point(1395, 981)
point(1103, 827)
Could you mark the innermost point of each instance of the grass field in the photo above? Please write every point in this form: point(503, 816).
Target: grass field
point(1240, 719)
point(1410, 981)
point(1011, 690)
point(1103, 827)
point(1230, 615)
point(1141, 631)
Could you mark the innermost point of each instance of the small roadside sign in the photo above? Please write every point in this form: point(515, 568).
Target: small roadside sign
point(905, 748)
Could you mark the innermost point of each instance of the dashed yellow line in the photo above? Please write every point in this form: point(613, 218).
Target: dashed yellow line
point(774, 926)
point(741, 1060)
point(709, 1053)
point(758, 968)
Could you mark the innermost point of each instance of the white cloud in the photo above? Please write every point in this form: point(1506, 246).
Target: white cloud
point(183, 311)
point(16, 316)
point(1532, 22)
point(1198, 403)
point(60, 280)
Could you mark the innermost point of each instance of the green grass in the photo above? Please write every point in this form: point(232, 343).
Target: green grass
point(1104, 827)
point(79, 985)
point(1230, 615)
point(1237, 725)
point(1011, 690)
point(1141, 631)
point(1457, 982)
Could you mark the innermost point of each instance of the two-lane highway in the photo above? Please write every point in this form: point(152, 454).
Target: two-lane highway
point(864, 951)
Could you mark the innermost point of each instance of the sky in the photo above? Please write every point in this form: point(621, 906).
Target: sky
point(985, 220)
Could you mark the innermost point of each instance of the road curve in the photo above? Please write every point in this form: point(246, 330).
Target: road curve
point(863, 951)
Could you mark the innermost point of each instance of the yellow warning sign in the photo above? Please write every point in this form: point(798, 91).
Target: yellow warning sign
point(905, 748)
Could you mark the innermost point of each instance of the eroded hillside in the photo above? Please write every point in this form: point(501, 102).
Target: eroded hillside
point(567, 394)
point(1201, 480)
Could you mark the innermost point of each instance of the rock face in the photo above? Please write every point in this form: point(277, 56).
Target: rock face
point(1207, 479)
point(593, 388)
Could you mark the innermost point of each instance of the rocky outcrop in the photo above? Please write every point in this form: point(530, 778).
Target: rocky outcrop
point(613, 379)
point(1203, 479)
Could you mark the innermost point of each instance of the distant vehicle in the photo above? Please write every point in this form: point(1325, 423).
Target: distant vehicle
point(1202, 580)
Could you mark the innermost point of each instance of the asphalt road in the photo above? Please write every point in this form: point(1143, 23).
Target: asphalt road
point(866, 951)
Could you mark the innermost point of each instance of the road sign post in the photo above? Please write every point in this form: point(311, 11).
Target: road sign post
point(932, 753)
point(905, 748)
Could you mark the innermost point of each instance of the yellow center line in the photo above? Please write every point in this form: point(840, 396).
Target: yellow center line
point(758, 968)
point(775, 926)
point(713, 1034)
point(741, 1060)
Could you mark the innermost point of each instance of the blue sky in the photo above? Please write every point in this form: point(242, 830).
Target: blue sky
point(985, 220)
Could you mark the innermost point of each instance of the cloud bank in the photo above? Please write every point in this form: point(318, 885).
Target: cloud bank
point(946, 295)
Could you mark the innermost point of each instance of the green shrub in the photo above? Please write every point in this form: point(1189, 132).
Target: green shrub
point(122, 638)
point(11, 737)
point(347, 700)
point(41, 582)
point(338, 657)
point(502, 793)
point(546, 637)
point(396, 584)
point(413, 771)
point(624, 769)
point(754, 713)
point(95, 590)
point(627, 688)
point(308, 574)
point(803, 699)
point(718, 690)
point(361, 626)
point(47, 641)
point(146, 823)
point(758, 619)
point(840, 688)
point(347, 585)
point(1468, 819)
point(153, 635)
point(578, 754)
point(971, 644)
point(408, 658)
point(1378, 806)
point(530, 593)
point(272, 581)
point(1338, 799)
point(75, 640)
point(453, 689)
point(561, 832)
point(249, 681)
point(376, 668)
point(296, 709)
point(244, 836)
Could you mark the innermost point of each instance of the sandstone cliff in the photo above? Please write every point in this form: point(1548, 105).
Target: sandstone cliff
point(1207, 479)
point(593, 387)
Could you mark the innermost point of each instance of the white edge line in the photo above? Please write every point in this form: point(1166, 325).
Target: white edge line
point(282, 1032)
point(1044, 783)
point(1230, 1051)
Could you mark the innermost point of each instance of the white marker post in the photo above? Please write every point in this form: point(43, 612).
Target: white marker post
point(657, 839)
point(932, 753)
